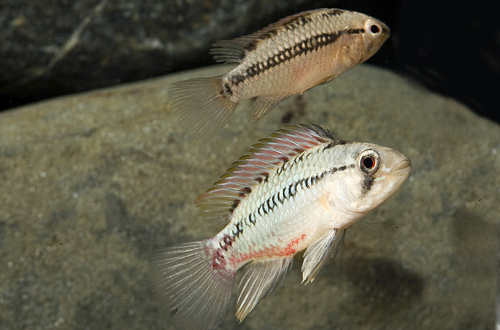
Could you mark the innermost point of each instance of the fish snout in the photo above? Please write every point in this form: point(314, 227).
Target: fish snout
point(402, 167)
point(385, 29)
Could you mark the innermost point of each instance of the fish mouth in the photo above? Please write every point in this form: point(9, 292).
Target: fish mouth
point(403, 165)
point(386, 30)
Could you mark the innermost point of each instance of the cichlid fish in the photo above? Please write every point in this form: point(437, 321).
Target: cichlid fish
point(283, 59)
point(299, 189)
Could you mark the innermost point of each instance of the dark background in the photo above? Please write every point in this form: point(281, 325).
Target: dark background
point(50, 48)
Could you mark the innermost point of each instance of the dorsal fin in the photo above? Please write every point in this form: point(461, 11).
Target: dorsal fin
point(235, 50)
point(250, 170)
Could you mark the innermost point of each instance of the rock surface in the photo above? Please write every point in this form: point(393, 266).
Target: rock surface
point(93, 184)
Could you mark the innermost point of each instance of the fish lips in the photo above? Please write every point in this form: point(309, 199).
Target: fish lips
point(403, 167)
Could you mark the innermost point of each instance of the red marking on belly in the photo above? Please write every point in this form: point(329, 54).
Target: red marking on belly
point(290, 248)
point(268, 251)
point(218, 260)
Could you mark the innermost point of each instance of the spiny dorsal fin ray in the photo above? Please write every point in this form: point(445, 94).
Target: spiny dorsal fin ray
point(235, 50)
point(252, 169)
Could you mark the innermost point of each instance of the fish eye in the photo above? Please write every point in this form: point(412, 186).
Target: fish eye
point(369, 161)
point(375, 29)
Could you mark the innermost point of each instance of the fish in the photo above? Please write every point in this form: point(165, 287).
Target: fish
point(285, 58)
point(299, 189)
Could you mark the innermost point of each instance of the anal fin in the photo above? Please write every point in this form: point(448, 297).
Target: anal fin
point(264, 104)
point(319, 252)
point(259, 278)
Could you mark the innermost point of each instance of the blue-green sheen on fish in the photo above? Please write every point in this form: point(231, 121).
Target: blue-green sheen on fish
point(298, 190)
point(283, 59)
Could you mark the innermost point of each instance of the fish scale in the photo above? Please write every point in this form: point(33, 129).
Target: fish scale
point(299, 189)
point(283, 59)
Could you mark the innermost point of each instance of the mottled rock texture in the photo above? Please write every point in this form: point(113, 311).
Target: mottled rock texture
point(91, 185)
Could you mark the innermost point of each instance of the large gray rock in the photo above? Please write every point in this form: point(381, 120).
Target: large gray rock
point(93, 184)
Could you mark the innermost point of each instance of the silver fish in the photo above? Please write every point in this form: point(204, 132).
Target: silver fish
point(283, 59)
point(299, 189)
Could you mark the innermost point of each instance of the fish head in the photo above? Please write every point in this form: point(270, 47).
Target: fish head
point(361, 39)
point(374, 175)
point(375, 33)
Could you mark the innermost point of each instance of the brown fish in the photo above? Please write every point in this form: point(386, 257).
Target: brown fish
point(283, 59)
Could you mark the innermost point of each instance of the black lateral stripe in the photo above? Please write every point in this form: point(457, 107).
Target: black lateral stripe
point(238, 230)
point(236, 202)
point(252, 221)
point(228, 89)
point(279, 198)
point(237, 78)
point(292, 190)
point(284, 194)
point(300, 48)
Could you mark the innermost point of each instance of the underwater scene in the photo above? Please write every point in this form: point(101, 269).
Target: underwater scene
point(251, 165)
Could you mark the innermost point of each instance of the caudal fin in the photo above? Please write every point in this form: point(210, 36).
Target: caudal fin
point(201, 105)
point(194, 292)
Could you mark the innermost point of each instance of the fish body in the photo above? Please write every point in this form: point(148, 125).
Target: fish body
point(297, 190)
point(283, 59)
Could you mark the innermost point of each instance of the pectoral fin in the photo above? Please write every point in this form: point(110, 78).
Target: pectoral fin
point(259, 278)
point(319, 252)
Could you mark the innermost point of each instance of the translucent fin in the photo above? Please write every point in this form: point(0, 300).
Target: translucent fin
point(264, 104)
point(201, 105)
point(319, 252)
point(239, 181)
point(229, 51)
point(259, 278)
point(190, 289)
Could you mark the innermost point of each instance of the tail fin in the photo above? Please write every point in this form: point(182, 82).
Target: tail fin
point(201, 105)
point(194, 292)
